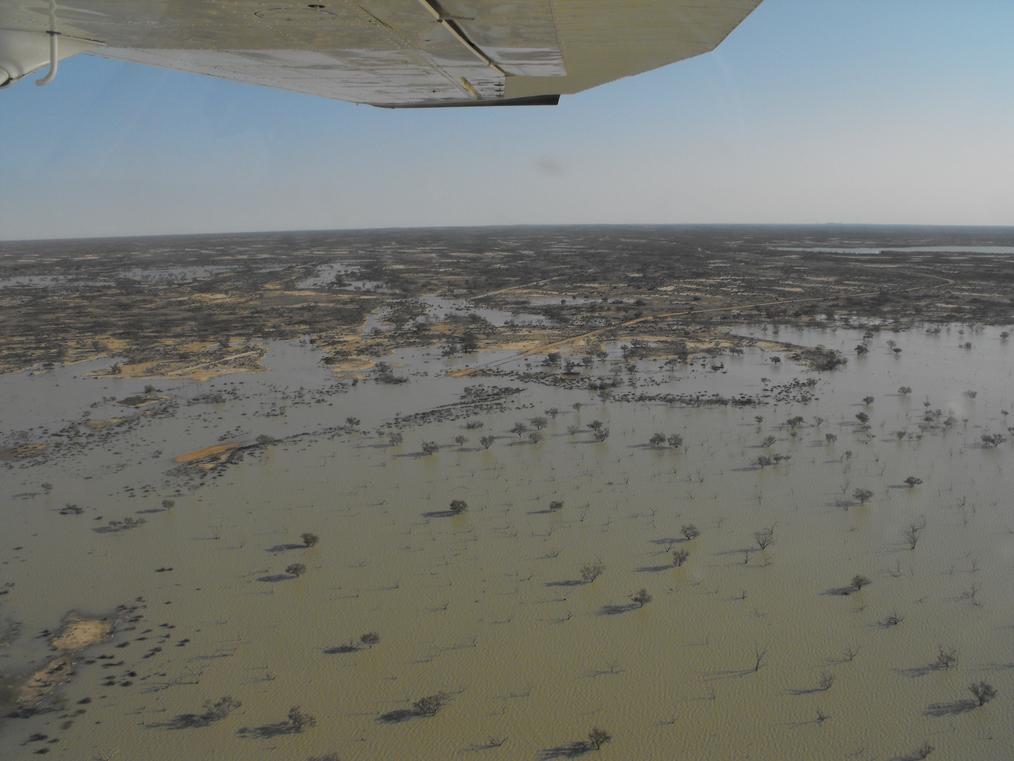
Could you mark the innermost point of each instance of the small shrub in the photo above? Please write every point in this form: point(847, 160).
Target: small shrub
point(598, 737)
point(309, 540)
point(859, 581)
point(458, 506)
point(370, 639)
point(764, 537)
point(556, 505)
point(983, 692)
point(892, 619)
point(862, 496)
point(299, 720)
point(295, 569)
point(641, 597)
point(429, 705)
point(679, 557)
point(690, 532)
point(946, 657)
point(591, 572)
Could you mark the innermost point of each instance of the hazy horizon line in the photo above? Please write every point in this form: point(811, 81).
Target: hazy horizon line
point(537, 225)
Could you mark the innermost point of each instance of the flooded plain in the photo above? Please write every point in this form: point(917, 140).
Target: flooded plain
point(537, 515)
point(741, 652)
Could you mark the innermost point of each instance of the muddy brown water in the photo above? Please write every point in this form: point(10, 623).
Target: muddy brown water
point(485, 606)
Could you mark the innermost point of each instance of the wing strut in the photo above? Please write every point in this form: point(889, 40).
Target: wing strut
point(54, 59)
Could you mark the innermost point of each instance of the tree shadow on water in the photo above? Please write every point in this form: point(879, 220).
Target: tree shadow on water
point(296, 722)
point(274, 578)
point(616, 610)
point(397, 716)
point(284, 547)
point(570, 750)
point(341, 649)
point(566, 583)
point(655, 568)
point(954, 708)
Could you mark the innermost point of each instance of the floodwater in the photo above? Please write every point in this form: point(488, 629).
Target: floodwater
point(486, 606)
point(910, 249)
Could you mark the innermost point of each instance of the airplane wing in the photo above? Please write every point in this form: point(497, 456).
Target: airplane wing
point(395, 53)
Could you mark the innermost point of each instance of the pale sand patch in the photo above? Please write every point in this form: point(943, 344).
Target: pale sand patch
point(352, 365)
point(215, 451)
point(23, 451)
point(79, 632)
point(45, 680)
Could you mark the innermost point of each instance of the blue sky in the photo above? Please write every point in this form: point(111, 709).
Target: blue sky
point(812, 111)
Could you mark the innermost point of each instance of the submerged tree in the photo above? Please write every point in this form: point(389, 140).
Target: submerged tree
point(429, 705)
point(862, 496)
point(946, 657)
point(983, 692)
point(913, 532)
point(598, 737)
point(859, 581)
point(764, 537)
point(591, 572)
point(641, 597)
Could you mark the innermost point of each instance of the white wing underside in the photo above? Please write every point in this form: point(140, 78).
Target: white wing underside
point(395, 52)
